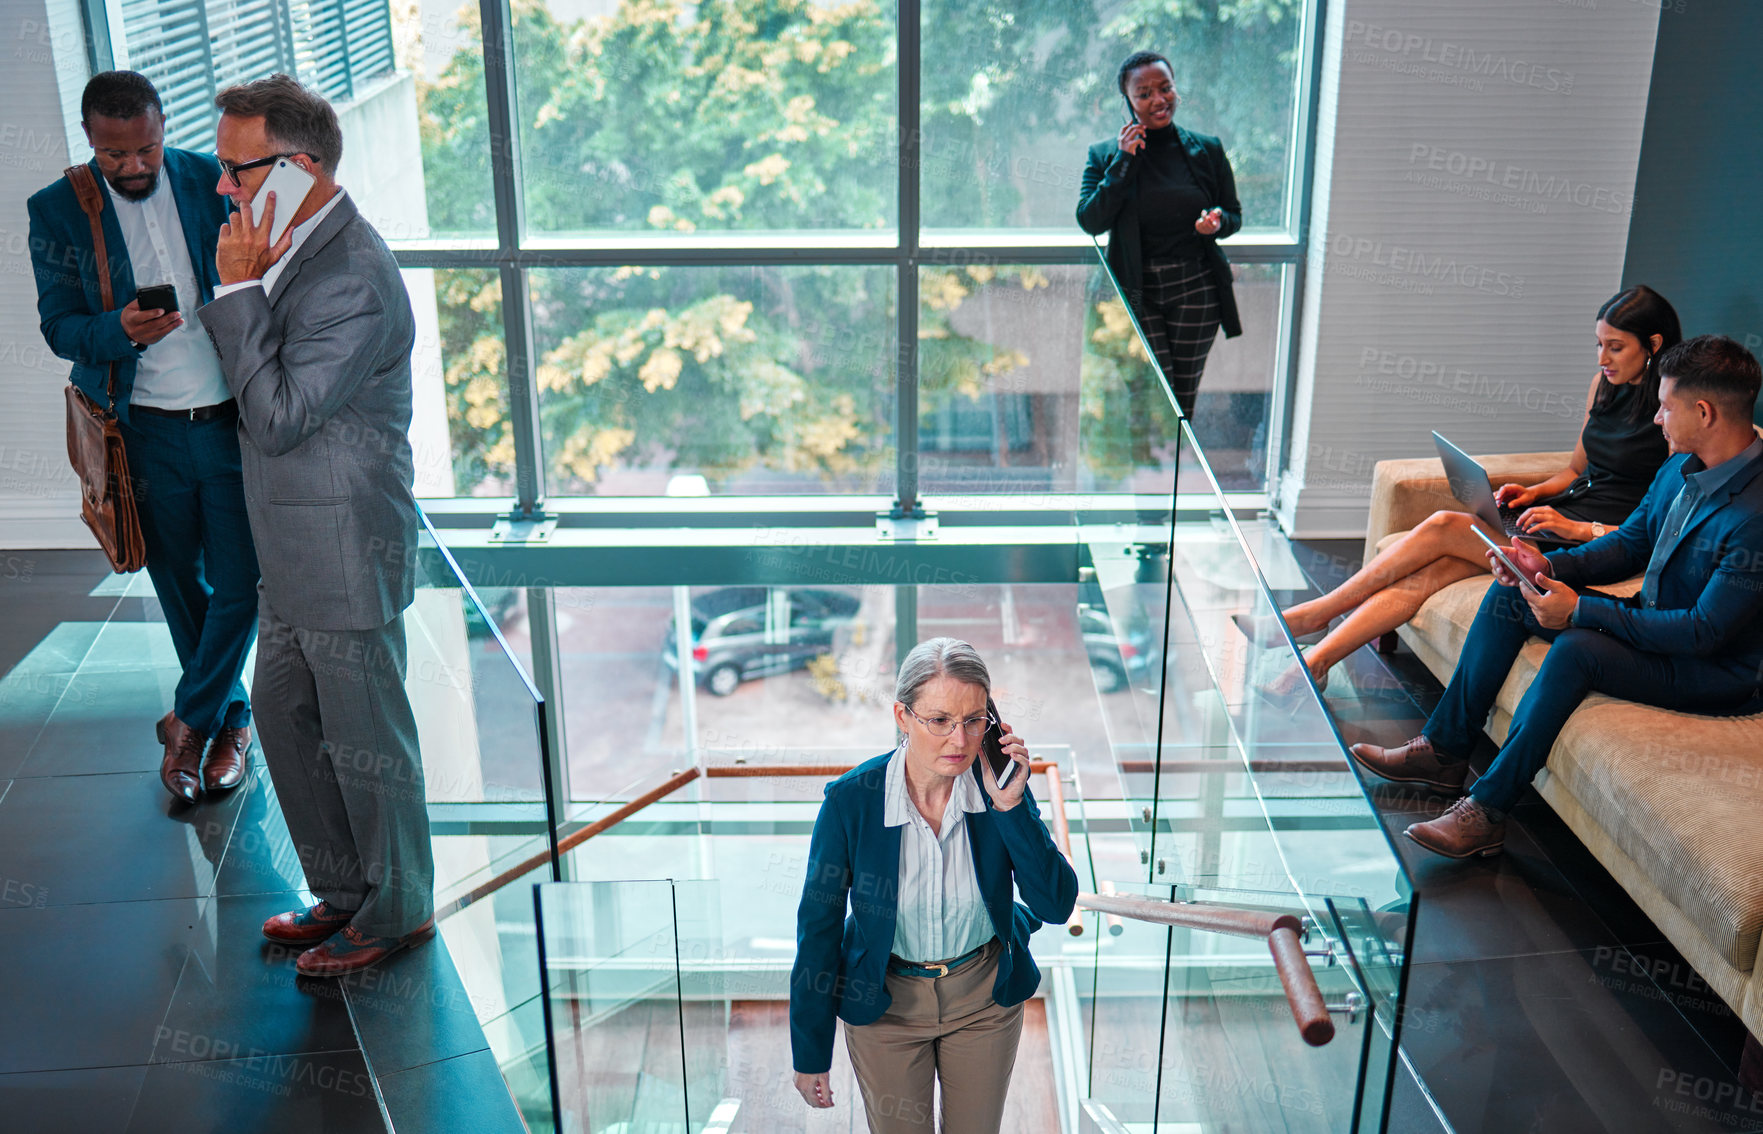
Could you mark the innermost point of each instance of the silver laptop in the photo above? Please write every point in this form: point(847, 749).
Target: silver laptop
point(1470, 484)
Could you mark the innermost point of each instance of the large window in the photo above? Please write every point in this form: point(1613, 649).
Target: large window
point(664, 247)
point(758, 380)
point(1014, 93)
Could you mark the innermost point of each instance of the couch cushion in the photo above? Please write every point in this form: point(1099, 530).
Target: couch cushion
point(1679, 793)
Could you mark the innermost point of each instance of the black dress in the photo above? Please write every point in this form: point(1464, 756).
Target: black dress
point(1621, 457)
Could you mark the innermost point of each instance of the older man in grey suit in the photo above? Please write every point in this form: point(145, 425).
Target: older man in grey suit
point(314, 335)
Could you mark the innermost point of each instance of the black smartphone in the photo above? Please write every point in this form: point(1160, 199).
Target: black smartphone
point(1003, 767)
point(1131, 114)
point(157, 297)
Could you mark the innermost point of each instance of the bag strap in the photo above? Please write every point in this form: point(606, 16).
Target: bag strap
point(85, 187)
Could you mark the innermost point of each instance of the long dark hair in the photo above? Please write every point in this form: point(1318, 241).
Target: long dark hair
point(1643, 313)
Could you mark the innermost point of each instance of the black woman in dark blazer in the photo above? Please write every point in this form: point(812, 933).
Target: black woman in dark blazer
point(1165, 196)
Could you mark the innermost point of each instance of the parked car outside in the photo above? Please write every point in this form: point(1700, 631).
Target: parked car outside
point(729, 640)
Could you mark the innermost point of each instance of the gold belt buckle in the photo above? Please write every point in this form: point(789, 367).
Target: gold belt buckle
point(944, 969)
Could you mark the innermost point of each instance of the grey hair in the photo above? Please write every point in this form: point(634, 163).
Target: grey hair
point(940, 657)
point(295, 118)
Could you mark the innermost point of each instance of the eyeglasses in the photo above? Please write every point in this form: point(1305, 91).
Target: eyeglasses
point(233, 170)
point(943, 726)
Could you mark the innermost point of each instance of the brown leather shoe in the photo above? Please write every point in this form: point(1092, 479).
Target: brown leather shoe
point(1415, 762)
point(303, 927)
point(1466, 828)
point(351, 950)
point(227, 757)
point(181, 768)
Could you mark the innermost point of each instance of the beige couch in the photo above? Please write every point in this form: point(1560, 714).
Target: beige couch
point(1668, 802)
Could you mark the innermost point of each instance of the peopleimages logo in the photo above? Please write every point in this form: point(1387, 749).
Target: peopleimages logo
point(1398, 261)
point(1505, 178)
point(1416, 49)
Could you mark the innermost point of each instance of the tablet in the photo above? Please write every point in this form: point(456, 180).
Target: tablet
point(1506, 561)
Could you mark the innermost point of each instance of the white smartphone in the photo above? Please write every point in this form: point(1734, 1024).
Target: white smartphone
point(290, 184)
point(1506, 561)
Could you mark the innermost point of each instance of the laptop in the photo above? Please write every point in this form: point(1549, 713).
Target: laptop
point(1470, 484)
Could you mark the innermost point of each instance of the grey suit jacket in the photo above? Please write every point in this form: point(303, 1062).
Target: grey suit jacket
point(321, 370)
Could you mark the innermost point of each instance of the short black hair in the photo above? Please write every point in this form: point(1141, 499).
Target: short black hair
point(1714, 368)
point(119, 94)
point(1136, 60)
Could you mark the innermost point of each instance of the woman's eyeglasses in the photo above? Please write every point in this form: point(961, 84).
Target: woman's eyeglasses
point(943, 726)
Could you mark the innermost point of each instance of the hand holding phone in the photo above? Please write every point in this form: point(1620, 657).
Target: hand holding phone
point(290, 184)
point(1504, 560)
point(158, 297)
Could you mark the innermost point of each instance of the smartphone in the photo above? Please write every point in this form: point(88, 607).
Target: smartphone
point(1131, 114)
point(1003, 766)
point(157, 297)
point(1506, 561)
point(290, 184)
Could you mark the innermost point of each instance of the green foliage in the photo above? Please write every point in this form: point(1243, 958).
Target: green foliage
point(663, 117)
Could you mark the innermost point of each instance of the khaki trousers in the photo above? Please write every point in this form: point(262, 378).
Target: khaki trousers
point(938, 1028)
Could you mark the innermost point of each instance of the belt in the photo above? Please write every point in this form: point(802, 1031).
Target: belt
point(901, 967)
point(199, 413)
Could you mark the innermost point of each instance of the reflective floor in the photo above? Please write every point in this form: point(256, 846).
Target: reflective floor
point(142, 994)
point(1539, 996)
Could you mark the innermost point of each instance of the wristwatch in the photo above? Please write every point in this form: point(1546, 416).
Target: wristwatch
point(1598, 529)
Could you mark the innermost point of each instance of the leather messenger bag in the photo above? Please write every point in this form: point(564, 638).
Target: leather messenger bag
point(94, 440)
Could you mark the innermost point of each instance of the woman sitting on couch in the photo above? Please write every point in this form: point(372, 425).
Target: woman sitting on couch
point(1619, 450)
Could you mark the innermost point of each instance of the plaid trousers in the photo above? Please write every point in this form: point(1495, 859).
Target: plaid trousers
point(1180, 316)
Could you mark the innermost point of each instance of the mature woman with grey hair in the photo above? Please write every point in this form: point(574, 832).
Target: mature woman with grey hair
point(907, 929)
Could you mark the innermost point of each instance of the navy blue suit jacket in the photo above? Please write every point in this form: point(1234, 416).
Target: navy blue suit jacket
point(854, 858)
point(66, 266)
point(1710, 600)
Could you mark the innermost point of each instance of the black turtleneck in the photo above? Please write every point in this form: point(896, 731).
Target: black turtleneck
point(1170, 201)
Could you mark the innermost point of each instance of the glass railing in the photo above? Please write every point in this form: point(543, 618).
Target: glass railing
point(1259, 951)
point(635, 1013)
point(485, 751)
point(1238, 794)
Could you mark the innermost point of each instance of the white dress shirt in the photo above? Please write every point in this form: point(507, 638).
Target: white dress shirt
point(939, 912)
point(301, 232)
point(180, 371)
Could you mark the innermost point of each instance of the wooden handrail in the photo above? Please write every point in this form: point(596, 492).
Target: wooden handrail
point(575, 839)
point(1074, 924)
point(744, 771)
point(1223, 767)
point(1055, 799)
point(1115, 926)
point(1279, 930)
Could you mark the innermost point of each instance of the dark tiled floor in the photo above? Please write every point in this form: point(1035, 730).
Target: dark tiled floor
point(1540, 997)
point(143, 996)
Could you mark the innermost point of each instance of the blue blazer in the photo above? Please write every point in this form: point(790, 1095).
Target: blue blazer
point(1710, 600)
point(66, 266)
point(841, 959)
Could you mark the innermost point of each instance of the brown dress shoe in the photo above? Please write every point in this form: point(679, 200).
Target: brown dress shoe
point(351, 950)
point(226, 758)
point(181, 769)
point(303, 927)
point(1415, 762)
point(1466, 828)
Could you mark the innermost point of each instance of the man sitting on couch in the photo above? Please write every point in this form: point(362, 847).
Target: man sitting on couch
point(1691, 639)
